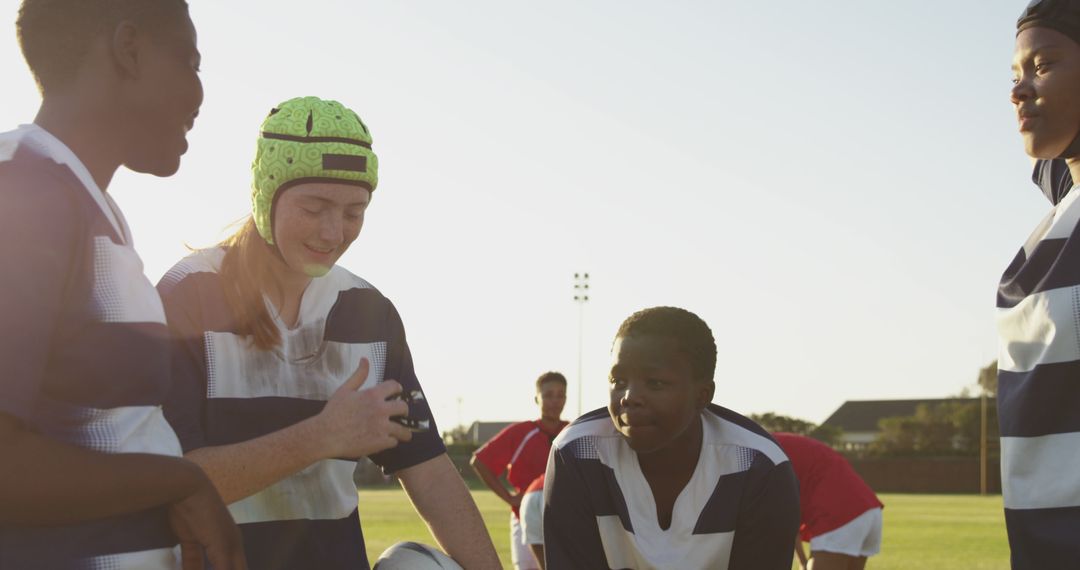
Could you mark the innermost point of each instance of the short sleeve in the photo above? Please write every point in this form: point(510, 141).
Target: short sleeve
point(40, 232)
point(185, 406)
point(768, 518)
point(497, 452)
point(424, 445)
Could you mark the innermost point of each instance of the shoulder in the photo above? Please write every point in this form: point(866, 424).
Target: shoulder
point(724, 427)
point(515, 431)
point(199, 266)
point(580, 438)
point(31, 181)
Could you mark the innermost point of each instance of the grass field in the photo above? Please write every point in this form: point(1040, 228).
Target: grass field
point(927, 532)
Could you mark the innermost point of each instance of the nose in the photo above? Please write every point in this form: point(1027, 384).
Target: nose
point(631, 396)
point(1022, 90)
point(331, 230)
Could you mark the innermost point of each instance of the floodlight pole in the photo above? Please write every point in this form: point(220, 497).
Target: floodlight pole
point(581, 296)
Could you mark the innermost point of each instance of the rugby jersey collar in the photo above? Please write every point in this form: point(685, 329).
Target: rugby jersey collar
point(48, 145)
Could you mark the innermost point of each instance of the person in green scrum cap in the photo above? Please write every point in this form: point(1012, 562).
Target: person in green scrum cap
point(289, 367)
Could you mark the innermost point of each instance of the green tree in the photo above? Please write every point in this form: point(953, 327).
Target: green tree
point(774, 422)
point(988, 379)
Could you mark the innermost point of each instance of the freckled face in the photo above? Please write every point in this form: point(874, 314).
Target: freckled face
point(654, 396)
point(315, 222)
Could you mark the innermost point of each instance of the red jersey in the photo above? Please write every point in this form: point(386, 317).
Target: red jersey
point(831, 494)
point(521, 451)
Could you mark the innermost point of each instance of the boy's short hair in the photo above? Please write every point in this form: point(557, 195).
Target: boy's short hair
point(687, 329)
point(549, 377)
point(56, 35)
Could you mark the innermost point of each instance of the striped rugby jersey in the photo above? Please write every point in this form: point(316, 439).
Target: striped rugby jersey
point(739, 511)
point(226, 391)
point(1039, 383)
point(84, 346)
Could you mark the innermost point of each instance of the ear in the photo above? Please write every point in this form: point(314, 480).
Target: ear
point(706, 390)
point(125, 48)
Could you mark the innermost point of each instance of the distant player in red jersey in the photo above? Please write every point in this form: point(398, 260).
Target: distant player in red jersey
point(521, 452)
point(841, 515)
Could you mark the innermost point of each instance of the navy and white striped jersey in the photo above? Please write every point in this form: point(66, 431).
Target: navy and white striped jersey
point(1039, 384)
point(227, 391)
point(740, 509)
point(84, 345)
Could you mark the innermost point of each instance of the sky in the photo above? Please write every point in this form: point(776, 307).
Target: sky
point(834, 187)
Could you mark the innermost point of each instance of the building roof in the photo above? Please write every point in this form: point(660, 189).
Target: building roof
point(480, 432)
point(863, 415)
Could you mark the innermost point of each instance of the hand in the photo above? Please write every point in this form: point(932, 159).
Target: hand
point(356, 423)
point(203, 524)
point(515, 500)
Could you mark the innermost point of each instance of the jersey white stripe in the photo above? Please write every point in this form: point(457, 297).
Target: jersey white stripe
point(1038, 472)
point(521, 445)
point(1041, 329)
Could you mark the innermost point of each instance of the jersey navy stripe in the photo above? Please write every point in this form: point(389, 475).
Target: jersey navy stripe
point(1043, 538)
point(1052, 389)
point(1037, 273)
point(117, 381)
point(293, 544)
point(66, 547)
point(717, 516)
point(353, 320)
point(233, 420)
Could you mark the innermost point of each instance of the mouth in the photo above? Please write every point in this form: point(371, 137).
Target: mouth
point(1026, 120)
point(633, 422)
point(319, 252)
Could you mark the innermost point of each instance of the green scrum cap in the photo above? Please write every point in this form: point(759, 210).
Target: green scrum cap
point(308, 139)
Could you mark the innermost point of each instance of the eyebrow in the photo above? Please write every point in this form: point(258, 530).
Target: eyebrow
point(322, 200)
point(1029, 54)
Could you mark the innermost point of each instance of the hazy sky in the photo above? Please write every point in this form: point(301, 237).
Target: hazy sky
point(835, 187)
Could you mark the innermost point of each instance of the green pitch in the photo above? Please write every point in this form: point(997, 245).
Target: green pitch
point(928, 532)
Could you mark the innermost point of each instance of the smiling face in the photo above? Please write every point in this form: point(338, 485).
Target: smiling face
point(315, 222)
point(1046, 91)
point(162, 102)
point(654, 395)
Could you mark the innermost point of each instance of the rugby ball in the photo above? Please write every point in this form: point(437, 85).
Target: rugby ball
point(414, 556)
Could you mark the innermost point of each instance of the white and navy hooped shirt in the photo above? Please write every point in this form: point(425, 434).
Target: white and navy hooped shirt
point(1039, 383)
point(84, 345)
point(227, 391)
point(739, 511)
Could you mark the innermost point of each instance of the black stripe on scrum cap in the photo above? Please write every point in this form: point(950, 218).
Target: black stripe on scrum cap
point(349, 162)
point(294, 138)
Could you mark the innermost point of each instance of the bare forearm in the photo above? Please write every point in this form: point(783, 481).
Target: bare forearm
point(440, 496)
point(36, 485)
point(243, 469)
point(491, 480)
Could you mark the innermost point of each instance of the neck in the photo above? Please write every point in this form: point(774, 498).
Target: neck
point(679, 457)
point(550, 422)
point(85, 130)
point(288, 293)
